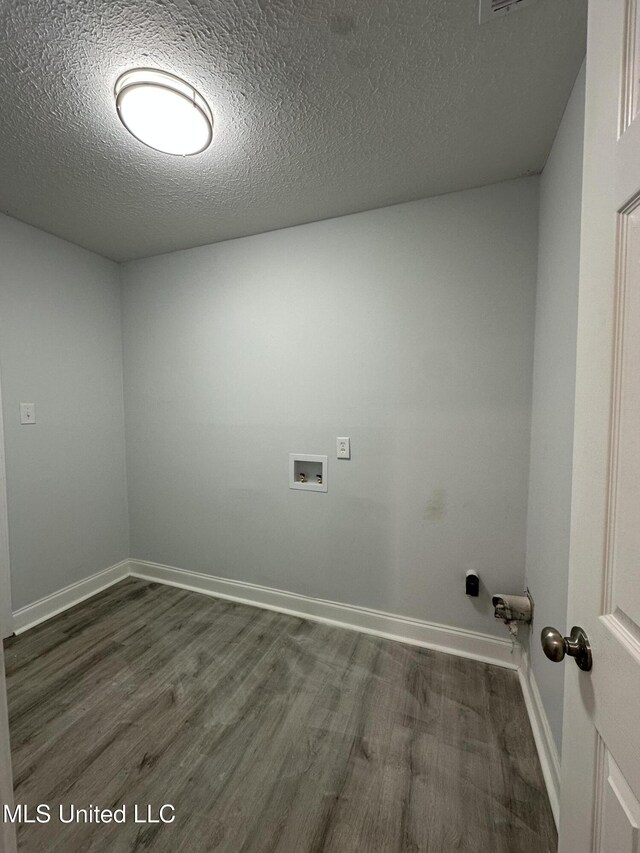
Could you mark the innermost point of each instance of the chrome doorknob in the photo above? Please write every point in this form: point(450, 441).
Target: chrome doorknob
point(576, 645)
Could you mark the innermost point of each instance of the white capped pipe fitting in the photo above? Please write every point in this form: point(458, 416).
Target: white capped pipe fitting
point(512, 608)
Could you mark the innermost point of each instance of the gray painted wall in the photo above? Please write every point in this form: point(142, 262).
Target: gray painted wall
point(61, 347)
point(410, 329)
point(553, 396)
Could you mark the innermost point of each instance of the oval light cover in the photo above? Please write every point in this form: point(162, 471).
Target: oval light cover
point(163, 111)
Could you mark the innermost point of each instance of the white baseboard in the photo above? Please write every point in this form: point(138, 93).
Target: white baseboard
point(456, 641)
point(545, 744)
point(31, 615)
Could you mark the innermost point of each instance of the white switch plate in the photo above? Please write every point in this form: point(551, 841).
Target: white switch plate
point(343, 448)
point(27, 413)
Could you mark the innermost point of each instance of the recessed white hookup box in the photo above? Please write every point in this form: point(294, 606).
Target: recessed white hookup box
point(308, 471)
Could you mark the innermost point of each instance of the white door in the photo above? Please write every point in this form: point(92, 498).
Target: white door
point(6, 617)
point(7, 830)
point(600, 800)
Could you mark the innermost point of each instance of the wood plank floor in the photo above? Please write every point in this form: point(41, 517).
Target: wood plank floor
point(266, 732)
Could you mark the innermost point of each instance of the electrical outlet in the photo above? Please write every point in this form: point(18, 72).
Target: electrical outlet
point(343, 448)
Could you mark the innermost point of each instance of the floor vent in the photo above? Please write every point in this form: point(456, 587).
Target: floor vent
point(490, 9)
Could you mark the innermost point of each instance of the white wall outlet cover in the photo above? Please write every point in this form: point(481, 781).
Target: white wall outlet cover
point(27, 413)
point(343, 447)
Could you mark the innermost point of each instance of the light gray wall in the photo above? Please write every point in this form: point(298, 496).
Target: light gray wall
point(61, 348)
point(553, 396)
point(410, 329)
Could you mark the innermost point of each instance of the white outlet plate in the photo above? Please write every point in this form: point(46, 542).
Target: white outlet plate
point(27, 413)
point(343, 447)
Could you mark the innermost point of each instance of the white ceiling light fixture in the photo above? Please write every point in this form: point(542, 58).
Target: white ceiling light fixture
point(163, 111)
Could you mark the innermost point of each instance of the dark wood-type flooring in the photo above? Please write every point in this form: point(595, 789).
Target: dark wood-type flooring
point(266, 732)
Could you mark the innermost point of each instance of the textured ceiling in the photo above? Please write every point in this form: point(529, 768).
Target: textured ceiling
point(322, 107)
